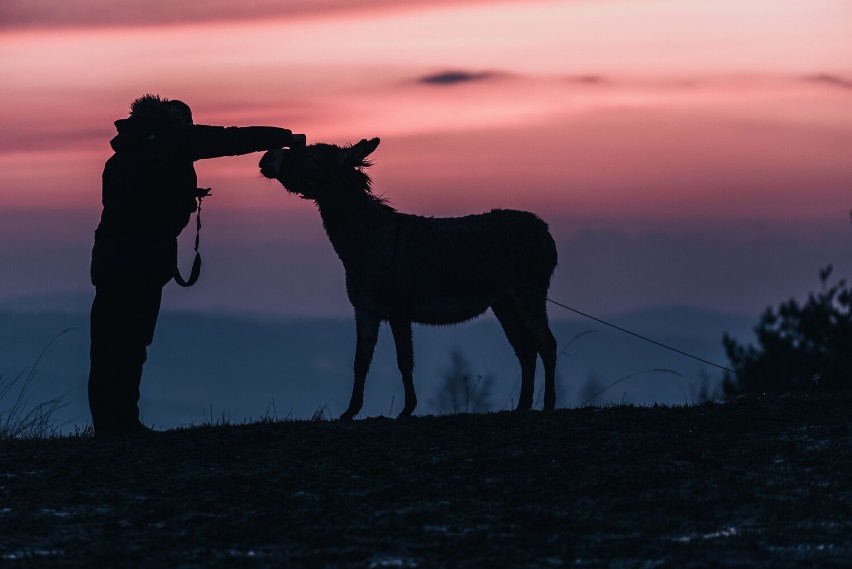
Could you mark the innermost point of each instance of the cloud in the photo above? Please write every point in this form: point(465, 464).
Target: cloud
point(16, 14)
point(455, 77)
point(106, 13)
point(588, 79)
point(832, 80)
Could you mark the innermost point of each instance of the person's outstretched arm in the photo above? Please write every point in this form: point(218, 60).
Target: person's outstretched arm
point(200, 141)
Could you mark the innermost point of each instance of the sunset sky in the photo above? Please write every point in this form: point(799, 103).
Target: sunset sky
point(688, 152)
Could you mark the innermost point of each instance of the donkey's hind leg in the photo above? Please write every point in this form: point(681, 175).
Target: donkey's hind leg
point(534, 312)
point(547, 350)
point(522, 342)
point(405, 360)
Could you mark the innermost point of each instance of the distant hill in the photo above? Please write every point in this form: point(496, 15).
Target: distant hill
point(40, 303)
point(206, 366)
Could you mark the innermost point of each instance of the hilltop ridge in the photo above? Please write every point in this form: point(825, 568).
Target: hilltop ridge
point(762, 482)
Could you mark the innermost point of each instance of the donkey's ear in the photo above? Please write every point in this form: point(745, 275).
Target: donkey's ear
point(355, 155)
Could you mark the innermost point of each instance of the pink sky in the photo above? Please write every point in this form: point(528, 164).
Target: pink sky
point(628, 115)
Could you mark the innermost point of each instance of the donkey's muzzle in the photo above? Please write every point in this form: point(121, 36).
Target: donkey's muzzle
point(270, 163)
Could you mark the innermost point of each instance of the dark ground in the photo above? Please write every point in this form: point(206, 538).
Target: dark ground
point(757, 483)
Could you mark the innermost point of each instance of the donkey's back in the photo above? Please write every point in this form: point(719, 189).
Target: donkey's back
point(451, 269)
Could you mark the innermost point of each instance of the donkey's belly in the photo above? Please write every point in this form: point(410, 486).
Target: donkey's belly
point(447, 310)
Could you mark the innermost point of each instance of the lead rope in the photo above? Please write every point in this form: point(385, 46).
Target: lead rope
point(196, 264)
point(641, 337)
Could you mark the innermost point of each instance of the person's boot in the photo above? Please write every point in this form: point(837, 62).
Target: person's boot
point(136, 429)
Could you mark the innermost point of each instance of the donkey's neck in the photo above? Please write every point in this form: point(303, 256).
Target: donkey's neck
point(352, 221)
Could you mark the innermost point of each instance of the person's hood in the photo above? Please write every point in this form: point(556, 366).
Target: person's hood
point(132, 133)
point(148, 116)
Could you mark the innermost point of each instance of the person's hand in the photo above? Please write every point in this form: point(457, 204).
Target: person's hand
point(299, 141)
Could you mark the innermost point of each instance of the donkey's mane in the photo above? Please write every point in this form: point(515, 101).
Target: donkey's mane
point(365, 184)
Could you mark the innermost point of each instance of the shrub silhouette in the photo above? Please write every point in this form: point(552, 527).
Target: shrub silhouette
point(460, 392)
point(801, 348)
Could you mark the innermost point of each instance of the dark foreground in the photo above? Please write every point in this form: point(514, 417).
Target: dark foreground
point(760, 483)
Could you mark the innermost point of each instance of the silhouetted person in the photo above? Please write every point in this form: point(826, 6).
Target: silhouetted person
point(149, 194)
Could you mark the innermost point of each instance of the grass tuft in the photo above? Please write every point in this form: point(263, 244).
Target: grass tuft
point(19, 420)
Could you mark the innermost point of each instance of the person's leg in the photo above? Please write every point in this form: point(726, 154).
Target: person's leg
point(123, 319)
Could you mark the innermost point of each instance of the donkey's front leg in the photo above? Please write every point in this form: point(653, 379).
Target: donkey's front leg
point(367, 329)
point(405, 360)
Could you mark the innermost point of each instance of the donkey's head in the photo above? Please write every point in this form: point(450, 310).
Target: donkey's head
point(311, 171)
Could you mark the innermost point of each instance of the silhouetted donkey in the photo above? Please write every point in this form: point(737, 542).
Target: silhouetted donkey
point(405, 268)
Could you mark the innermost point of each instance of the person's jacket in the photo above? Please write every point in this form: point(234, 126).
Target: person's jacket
point(150, 188)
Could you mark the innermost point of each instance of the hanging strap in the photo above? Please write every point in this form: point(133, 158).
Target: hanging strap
point(196, 264)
